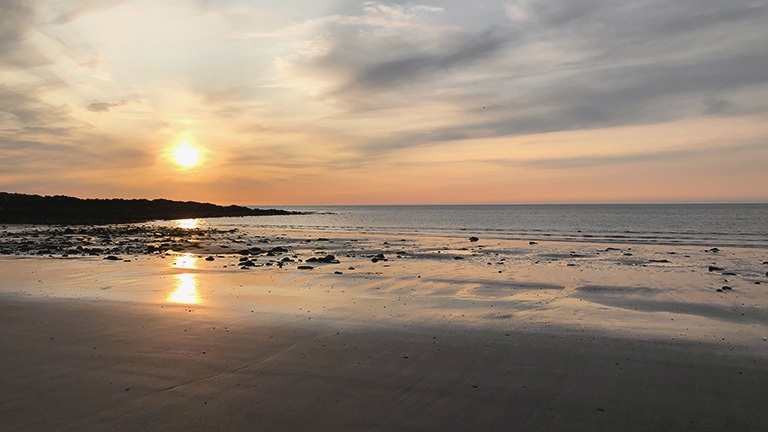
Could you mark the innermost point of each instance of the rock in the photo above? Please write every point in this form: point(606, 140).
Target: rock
point(286, 259)
point(570, 265)
point(729, 274)
point(458, 257)
point(313, 260)
point(111, 258)
point(719, 290)
point(659, 261)
point(69, 231)
point(611, 249)
point(329, 259)
point(713, 268)
point(244, 252)
point(713, 250)
point(322, 239)
point(337, 272)
point(350, 268)
point(473, 239)
point(726, 288)
point(627, 254)
point(304, 267)
point(379, 257)
point(248, 263)
point(243, 259)
point(210, 258)
point(532, 243)
point(278, 249)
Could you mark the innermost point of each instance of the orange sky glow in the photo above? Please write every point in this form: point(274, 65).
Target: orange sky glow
point(338, 102)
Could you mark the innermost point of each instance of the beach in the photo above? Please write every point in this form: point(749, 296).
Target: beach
point(390, 333)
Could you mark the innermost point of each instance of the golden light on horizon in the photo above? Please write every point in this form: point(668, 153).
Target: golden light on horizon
point(186, 155)
point(188, 223)
point(186, 290)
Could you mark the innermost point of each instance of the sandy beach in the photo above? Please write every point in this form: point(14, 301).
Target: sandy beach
point(442, 333)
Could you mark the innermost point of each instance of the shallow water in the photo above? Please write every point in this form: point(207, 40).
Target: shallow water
point(714, 225)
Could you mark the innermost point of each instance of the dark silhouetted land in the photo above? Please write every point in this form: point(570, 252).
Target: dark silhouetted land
point(59, 209)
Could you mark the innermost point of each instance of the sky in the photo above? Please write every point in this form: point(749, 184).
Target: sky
point(386, 102)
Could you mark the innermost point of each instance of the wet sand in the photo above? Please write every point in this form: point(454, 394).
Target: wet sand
point(421, 341)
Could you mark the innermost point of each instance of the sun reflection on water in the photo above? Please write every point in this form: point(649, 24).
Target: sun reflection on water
point(188, 223)
point(186, 290)
point(185, 261)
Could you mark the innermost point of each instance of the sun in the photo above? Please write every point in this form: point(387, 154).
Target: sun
point(186, 155)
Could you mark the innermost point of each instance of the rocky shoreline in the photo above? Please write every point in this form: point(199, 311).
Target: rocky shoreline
point(65, 210)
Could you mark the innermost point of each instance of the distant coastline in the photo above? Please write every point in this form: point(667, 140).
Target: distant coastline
point(19, 208)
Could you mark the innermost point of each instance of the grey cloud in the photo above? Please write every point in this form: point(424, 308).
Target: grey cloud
point(461, 51)
point(72, 10)
point(635, 63)
point(105, 106)
point(16, 26)
point(664, 155)
point(22, 106)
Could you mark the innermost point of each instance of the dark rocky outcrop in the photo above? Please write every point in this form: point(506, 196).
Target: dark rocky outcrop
point(59, 209)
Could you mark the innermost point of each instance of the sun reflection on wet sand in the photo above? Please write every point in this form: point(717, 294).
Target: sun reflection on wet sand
point(186, 290)
point(186, 261)
point(188, 223)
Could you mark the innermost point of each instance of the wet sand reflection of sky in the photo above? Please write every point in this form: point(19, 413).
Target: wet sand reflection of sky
point(186, 290)
point(186, 283)
point(185, 261)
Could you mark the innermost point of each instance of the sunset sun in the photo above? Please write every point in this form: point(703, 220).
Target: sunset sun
point(186, 155)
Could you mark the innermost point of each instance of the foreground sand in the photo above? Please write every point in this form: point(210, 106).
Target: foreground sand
point(76, 365)
point(418, 342)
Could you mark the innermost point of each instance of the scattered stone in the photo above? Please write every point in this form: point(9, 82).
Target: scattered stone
point(305, 267)
point(111, 258)
point(329, 259)
point(379, 257)
point(473, 239)
point(713, 268)
point(210, 258)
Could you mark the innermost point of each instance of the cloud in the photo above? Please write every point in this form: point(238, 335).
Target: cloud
point(461, 50)
point(700, 151)
point(17, 25)
point(104, 106)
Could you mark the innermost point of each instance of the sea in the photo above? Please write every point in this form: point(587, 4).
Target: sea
point(708, 225)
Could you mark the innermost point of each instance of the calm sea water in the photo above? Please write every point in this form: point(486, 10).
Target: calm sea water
point(711, 225)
